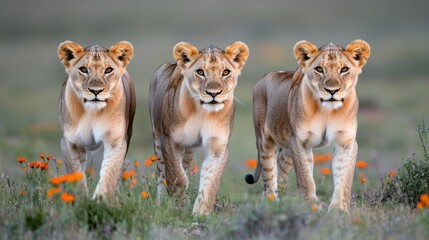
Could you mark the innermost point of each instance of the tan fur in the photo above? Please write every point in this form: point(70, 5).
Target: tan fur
point(192, 104)
point(97, 109)
point(292, 114)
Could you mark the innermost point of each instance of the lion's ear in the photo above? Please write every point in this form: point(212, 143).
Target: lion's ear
point(359, 51)
point(123, 51)
point(304, 51)
point(184, 53)
point(238, 52)
point(69, 51)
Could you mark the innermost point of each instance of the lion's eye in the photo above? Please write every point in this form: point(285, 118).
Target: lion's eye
point(83, 70)
point(200, 72)
point(108, 70)
point(319, 69)
point(226, 72)
point(344, 69)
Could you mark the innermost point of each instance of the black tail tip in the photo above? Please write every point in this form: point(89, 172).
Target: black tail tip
point(249, 179)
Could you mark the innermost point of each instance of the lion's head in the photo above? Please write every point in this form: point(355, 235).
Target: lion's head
point(331, 71)
point(211, 74)
point(95, 71)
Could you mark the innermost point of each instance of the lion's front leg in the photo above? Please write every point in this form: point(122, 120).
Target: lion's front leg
point(75, 159)
point(343, 165)
point(111, 167)
point(175, 175)
point(210, 178)
point(303, 166)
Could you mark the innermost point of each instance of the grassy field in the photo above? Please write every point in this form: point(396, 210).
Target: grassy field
point(393, 92)
point(38, 206)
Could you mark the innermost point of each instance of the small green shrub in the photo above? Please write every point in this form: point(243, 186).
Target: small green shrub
point(412, 179)
point(413, 176)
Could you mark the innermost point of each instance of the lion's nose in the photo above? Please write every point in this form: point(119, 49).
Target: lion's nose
point(96, 91)
point(213, 93)
point(332, 91)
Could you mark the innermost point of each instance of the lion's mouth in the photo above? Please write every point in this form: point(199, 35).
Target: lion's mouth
point(331, 100)
point(93, 100)
point(212, 102)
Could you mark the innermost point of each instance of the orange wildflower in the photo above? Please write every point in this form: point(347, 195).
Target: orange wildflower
point(128, 174)
point(362, 177)
point(90, 171)
point(74, 177)
point(392, 173)
point(43, 166)
point(24, 169)
point(58, 180)
point(42, 156)
point(325, 171)
point(361, 164)
point(34, 164)
point(53, 191)
point(328, 157)
point(148, 162)
point(22, 192)
point(58, 161)
point(67, 197)
point(420, 205)
point(133, 182)
point(314, 208)
point(271, 197)
point(164, 182)
point(21, 159)
point(194, 168)
point(145, 194)
point(424, 198)
point(153, 158)
point(357, 220)
point(49, 157)
point(136, 163)
point(251, 163)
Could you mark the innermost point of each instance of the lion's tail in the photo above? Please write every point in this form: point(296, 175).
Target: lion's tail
point(251, 179)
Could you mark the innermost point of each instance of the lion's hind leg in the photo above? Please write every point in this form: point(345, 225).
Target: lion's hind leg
point(285, 164)
point(267, 158)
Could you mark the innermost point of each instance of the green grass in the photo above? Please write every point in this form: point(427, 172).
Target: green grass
point(240, 212)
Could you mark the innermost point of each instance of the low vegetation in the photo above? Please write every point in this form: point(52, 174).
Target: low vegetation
point(48, 204)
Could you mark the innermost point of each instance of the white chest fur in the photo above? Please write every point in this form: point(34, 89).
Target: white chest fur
point(89, 131)
point(199, 129)
point(325, 129)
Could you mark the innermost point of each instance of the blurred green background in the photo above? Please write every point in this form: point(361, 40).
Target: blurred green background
point(393, 87)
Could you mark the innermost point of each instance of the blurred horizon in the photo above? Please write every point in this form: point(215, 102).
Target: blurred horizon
point(393, 86)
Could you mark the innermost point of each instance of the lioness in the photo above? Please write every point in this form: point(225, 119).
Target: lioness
point(311, 107)
point(191, 104)
point(97, 106)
